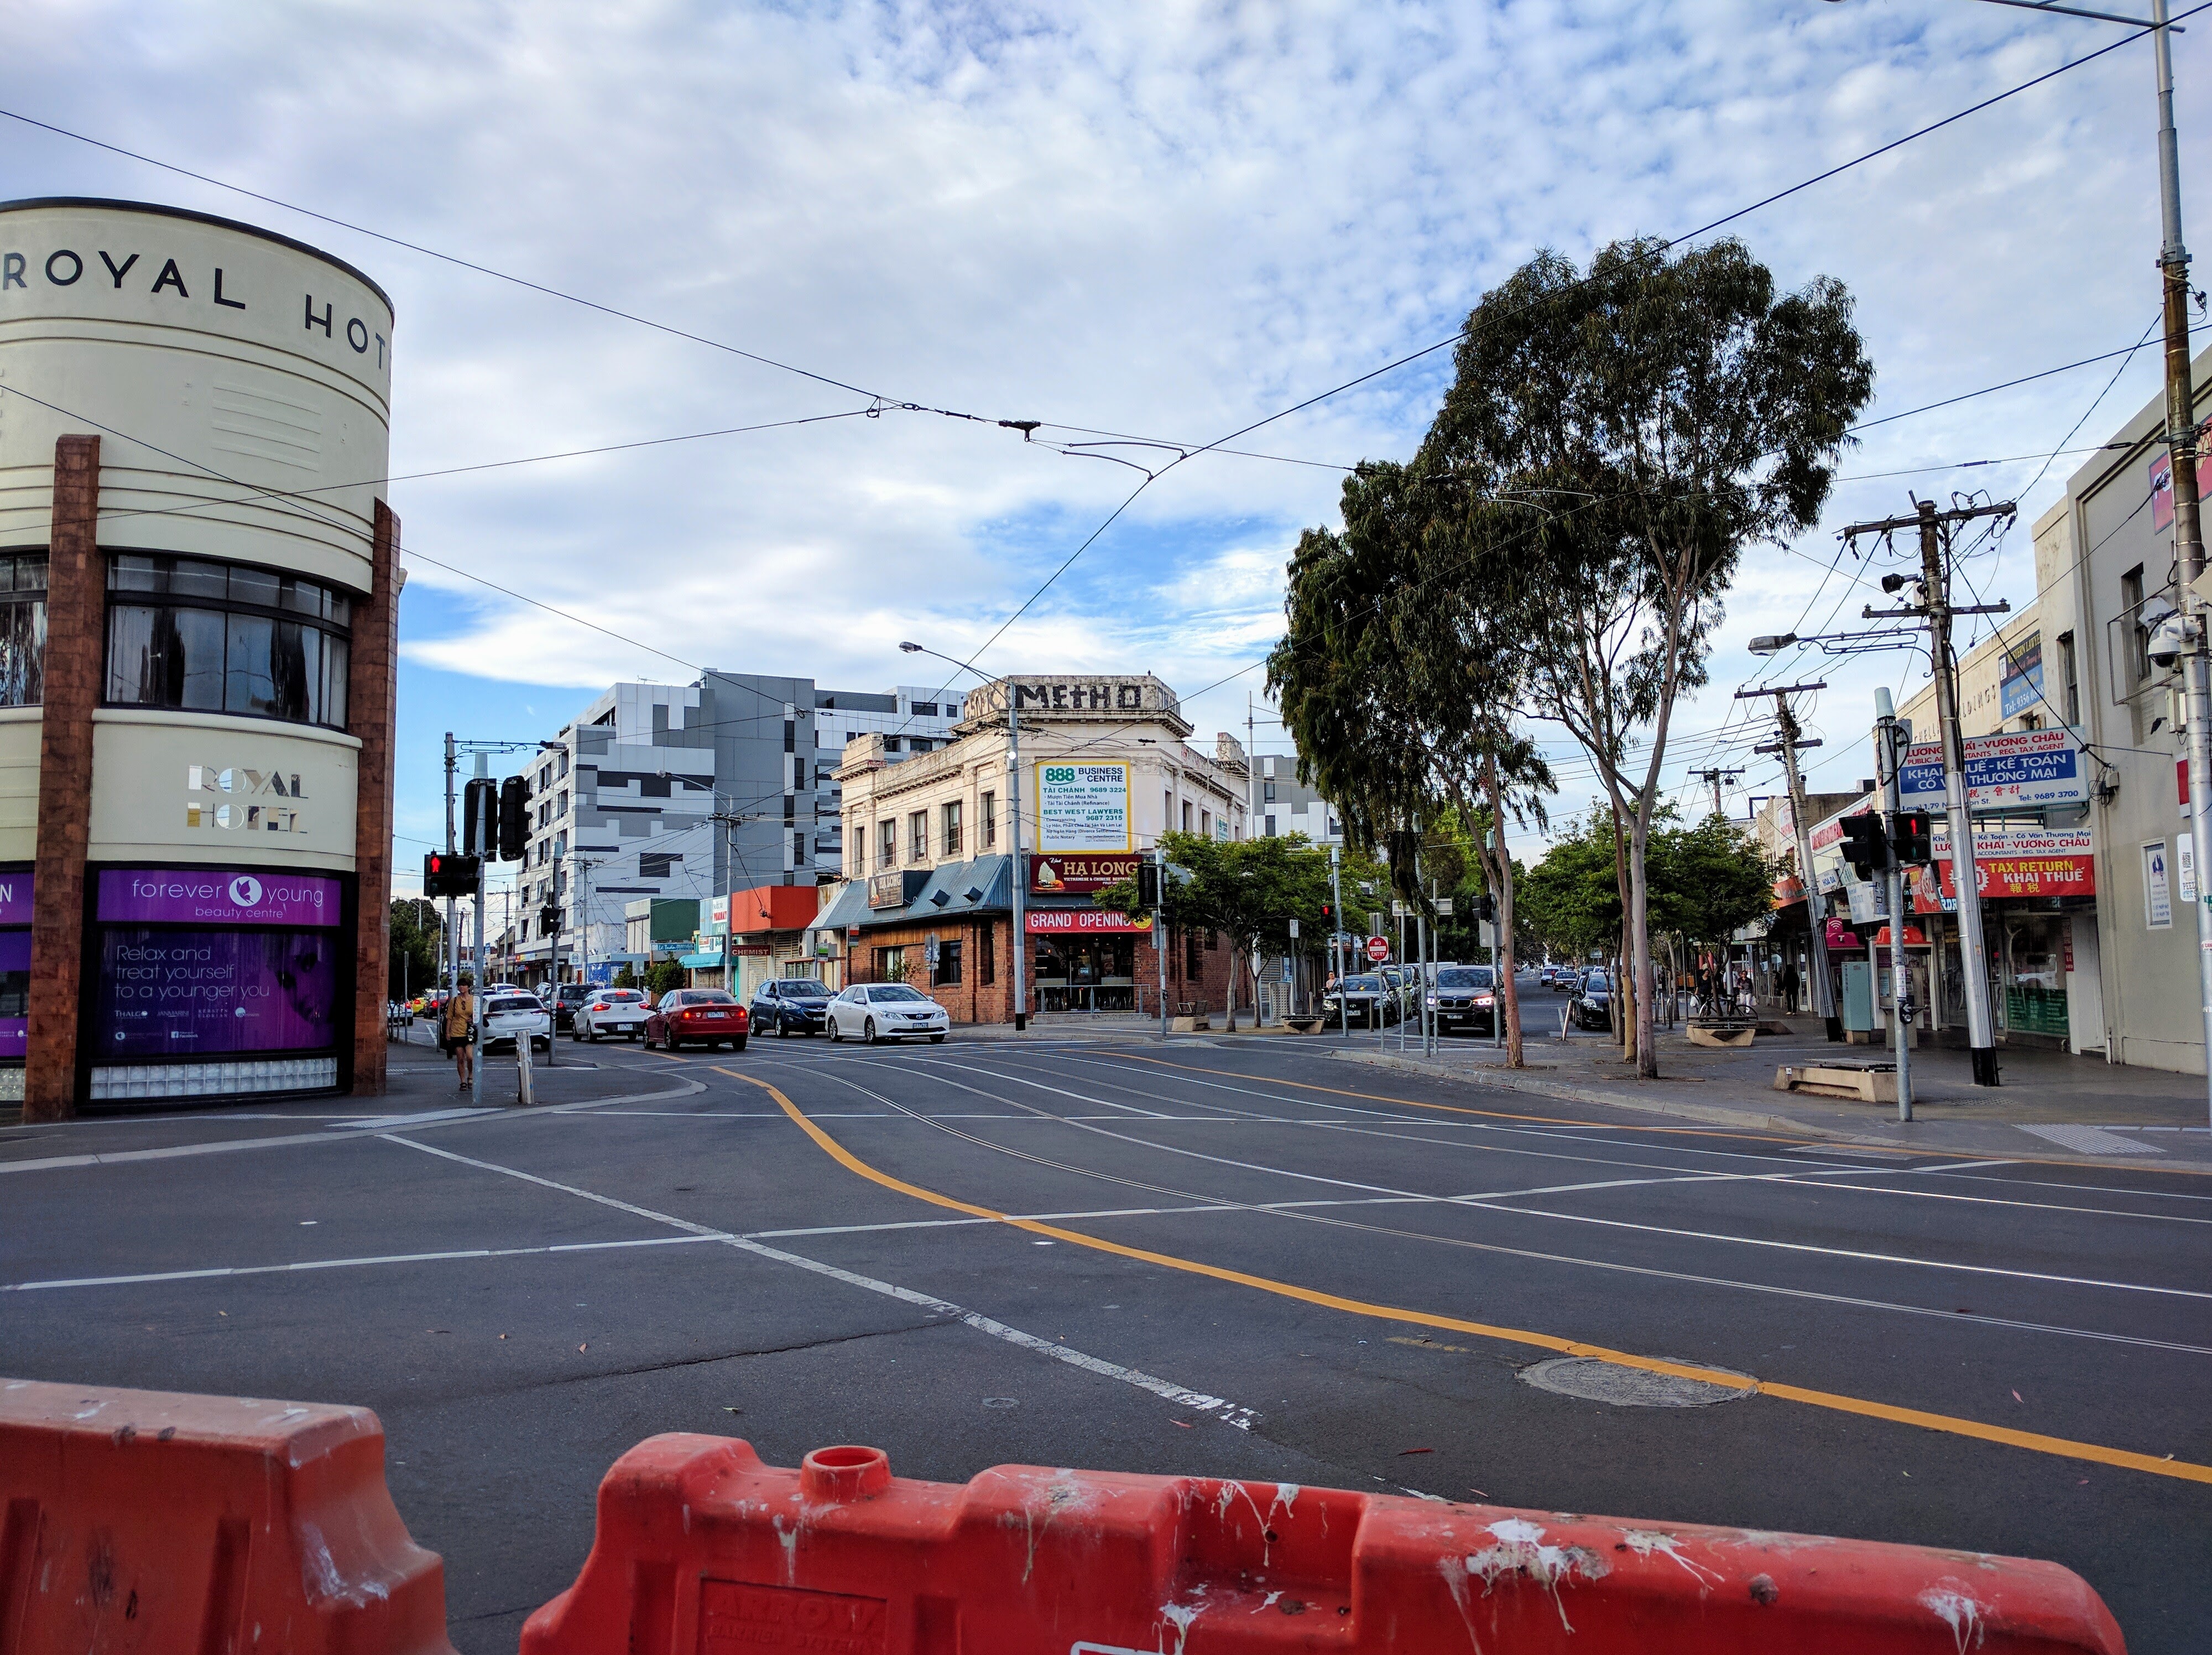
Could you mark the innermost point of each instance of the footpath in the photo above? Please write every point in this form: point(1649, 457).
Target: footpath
point(2046, 1102)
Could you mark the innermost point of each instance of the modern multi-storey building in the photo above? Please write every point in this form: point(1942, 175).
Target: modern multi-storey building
point(1286, 804)
point(692, 791)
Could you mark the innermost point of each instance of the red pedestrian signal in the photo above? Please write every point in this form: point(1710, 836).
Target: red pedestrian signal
point(445, 874)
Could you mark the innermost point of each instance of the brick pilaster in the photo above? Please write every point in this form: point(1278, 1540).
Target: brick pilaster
point(76, 607)
point(372, 712)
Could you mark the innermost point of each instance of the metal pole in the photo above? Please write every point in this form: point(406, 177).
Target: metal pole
point(1021, 862)
point(2188, 531)
point(476, 1068)
point(1980, 1036)
point(1160, 930)
point(1889, 754)
point(452, 950)
point(1336, 944)
point(1824, 991)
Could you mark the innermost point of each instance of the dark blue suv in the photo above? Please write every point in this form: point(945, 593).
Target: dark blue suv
point(786, 1005)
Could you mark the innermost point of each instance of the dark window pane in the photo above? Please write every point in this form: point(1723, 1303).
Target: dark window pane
point(301, 597)
point(254, 586)
point(31, 572)
point(134, 677)
point(288, 673)
point(7, 574)
point(250, 679)
point(133, 574)
point(340, 609)
point(190, 578)
point(23, 646)
point(337, 657)
point(196, 662)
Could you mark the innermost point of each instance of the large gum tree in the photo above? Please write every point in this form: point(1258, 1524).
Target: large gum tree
point(1614, 438)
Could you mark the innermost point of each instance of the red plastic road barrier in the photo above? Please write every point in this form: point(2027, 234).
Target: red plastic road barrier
point(702, 1550)
point(143, 1520)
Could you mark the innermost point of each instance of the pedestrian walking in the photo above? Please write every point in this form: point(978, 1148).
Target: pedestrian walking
point(461, 1032)
point(1790, 986)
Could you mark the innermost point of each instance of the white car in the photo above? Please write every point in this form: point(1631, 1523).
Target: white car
point(887, 1011)
point(610, 1012)
point(508, 1017)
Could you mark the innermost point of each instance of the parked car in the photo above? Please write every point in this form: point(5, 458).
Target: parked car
point(1367, 1004)
point(512, 1016)
point(564, 998)
point(1592, 1005)
point(886, 1011)
point(704, 1017)
point(610, 1012)
point(1466, 997)
point(784, 1007)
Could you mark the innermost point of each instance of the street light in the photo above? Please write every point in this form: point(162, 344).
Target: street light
point(1020, 872)
point(1772, 642)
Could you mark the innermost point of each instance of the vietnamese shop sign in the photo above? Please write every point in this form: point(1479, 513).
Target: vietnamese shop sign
point(2022, 769)
point(151, 896)
point(1081, 873)
point(2014, 862)
point(1082, 807)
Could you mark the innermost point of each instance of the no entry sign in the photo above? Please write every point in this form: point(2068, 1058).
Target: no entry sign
point(1378, 949)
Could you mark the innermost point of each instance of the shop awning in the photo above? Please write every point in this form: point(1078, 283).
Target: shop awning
point(701, 962)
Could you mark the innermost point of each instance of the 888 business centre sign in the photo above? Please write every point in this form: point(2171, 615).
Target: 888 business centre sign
point(1082, 807)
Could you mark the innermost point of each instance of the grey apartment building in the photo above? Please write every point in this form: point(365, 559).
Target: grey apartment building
point(694, 790)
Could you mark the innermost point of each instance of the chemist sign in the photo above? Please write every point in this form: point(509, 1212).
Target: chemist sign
point(2022, 770)
point(1082, 807)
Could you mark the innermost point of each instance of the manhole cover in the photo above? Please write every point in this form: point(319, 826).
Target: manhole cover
point(1591, 1380)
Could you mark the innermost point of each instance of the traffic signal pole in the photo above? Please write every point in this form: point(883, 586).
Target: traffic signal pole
point(452, 937)
point(1889, 748)
point(1336, 944)
point(1824, 991)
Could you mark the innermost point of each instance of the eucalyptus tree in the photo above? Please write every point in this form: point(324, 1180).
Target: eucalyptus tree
point(1403, 698)
point(1614, 440)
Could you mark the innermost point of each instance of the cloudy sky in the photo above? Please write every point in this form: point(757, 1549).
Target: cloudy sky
point(1147, 220)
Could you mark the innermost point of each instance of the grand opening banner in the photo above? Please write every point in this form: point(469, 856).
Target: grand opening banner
point(167, 993)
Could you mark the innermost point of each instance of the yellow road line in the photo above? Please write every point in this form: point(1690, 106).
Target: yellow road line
point(1950, 1424)
point(1743, 1134)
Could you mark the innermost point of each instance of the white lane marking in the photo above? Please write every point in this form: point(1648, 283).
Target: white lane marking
point(1497, 1204)
point(290, 1140)
point(1293, 1209)
point(194, 1119)
point(1219, 1408)
point(215, 1272)
point(384, 1122)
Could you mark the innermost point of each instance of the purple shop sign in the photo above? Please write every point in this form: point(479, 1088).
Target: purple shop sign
point(15, 898)
point(14, 990)
point(165, 994)
point(217, 896)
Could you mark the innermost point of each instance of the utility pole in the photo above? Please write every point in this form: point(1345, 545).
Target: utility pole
point(486, 819)
point(1891, 741)
point(1160, 928)
point(1021, 862)
point(1823, 992)
point(2188, 528)
point(1936, 608)
point(1715, 778)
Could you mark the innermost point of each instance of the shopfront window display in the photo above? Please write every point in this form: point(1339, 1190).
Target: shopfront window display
point(1086, 974)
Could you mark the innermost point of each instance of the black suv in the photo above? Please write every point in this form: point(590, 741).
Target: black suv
point(566, 997)
point(784, 1007)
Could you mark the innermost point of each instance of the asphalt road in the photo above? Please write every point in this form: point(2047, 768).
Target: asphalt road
point(523, 1296)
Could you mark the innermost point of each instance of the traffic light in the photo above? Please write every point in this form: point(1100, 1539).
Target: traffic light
point(1486, 909)
point(513, 819)
point(444, 874)
point(1148, 886)
point(1866, 846)
point(479, 809)
point(1328, 917)
point(1912, 838)
point(549, 922)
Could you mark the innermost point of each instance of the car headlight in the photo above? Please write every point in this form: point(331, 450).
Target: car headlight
point(1485, 999)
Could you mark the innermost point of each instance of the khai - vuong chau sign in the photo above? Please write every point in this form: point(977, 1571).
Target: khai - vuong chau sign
point(2020, 770)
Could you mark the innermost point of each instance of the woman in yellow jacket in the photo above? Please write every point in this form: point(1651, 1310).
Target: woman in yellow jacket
point(461, 1032)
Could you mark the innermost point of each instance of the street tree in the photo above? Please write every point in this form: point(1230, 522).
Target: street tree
point(1250, 890)
point(1614, 438)
point(1403, 699)
point(411, 960)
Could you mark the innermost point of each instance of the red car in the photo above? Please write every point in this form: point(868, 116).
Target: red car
point(705, 1017)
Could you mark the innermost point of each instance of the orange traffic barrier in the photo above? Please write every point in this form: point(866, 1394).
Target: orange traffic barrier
point(704, 1550)
point(144, 1520)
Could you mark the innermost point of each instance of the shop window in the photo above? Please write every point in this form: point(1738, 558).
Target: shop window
point(189, 634)
point(990, 824)
point(23, 630)
point(891, 963)
point(952, 828)
point(987, 955)
point(947, 974)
